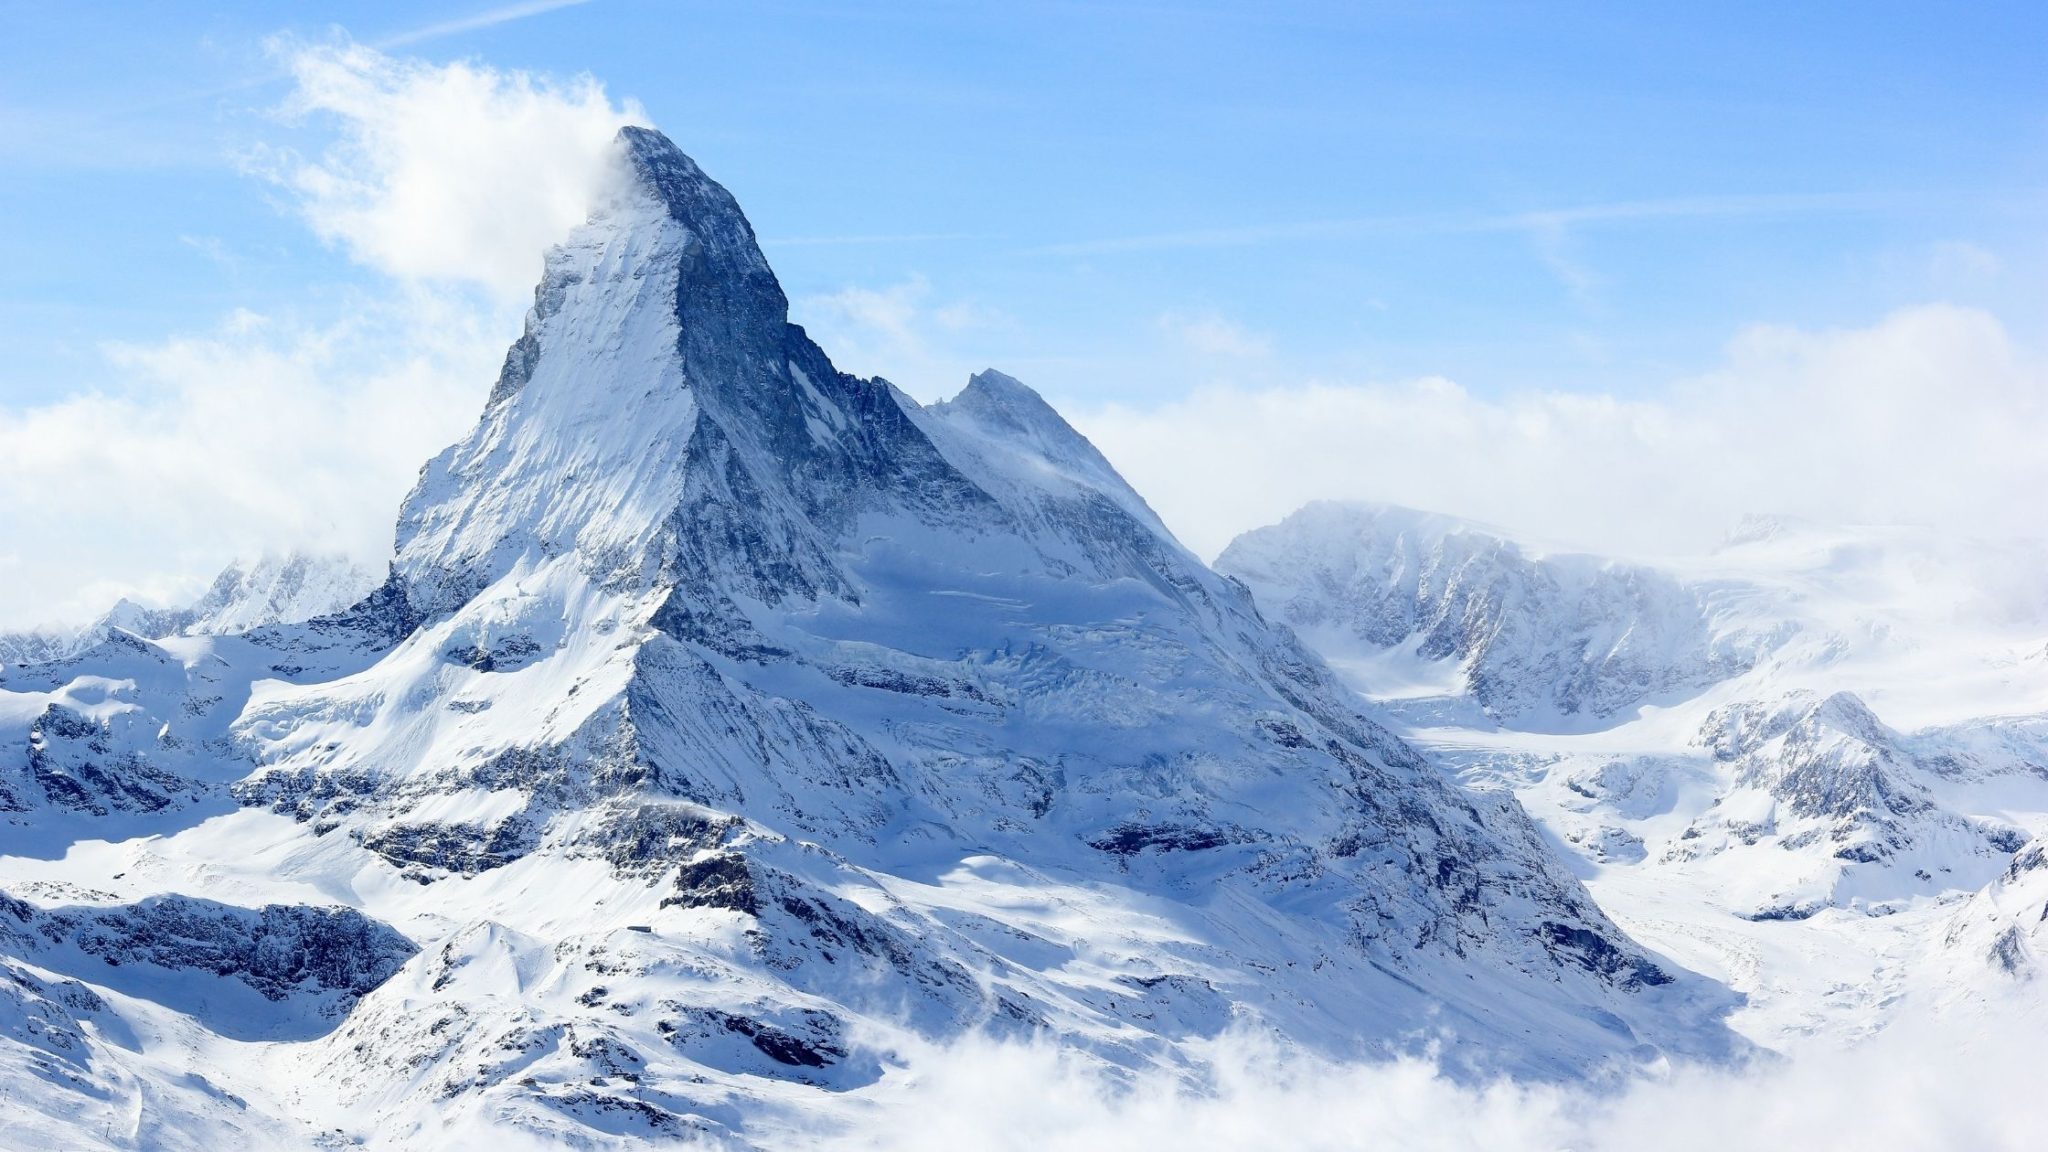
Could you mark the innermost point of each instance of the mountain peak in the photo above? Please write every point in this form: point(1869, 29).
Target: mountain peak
point(659, 374)
point(997, 398)
point(991, 382)
point(658, 166)
point(724, 259)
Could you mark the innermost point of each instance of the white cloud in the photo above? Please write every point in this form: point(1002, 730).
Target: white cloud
point(898, 332)
point(1920, 1084)
point(452, 173)
point(253, 437)
point(1930, 416)
point(264, 435)
point(1212, 335)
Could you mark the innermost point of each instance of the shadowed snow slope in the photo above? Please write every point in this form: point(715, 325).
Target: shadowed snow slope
point(727, 721)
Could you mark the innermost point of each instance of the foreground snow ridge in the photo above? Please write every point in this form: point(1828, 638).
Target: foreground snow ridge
point(727, 730)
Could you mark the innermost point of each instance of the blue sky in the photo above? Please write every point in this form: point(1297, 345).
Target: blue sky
point(1124, 204)
point(1511, 195)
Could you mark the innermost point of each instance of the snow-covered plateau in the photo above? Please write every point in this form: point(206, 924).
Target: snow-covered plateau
point(729, 734)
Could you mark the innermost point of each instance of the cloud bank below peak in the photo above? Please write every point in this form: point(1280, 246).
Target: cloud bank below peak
point(1933, 415)
point(1878, 1093)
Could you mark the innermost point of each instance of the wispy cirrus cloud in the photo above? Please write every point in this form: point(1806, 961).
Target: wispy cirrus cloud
point(476, 22)
point(901, 331)
point(853, 240)
point(1212, 334)
point(1531, 220)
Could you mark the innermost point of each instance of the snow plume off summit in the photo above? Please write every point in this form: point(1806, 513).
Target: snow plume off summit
point(729, 726)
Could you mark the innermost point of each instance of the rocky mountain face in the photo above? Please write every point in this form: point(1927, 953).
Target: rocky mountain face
point(1825, 776)
point(725, 725)
point(2005, 924)
point(328, 956)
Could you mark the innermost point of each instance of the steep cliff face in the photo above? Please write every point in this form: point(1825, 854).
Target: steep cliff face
point(725, 715)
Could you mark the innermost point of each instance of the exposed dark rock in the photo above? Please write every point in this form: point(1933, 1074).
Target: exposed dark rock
point(463, 849)
point(720, 881)
point(647, 838)
point(505, 654)
point(1131, 839)
point(1595, 953)
point(278, 949)
point(79, 765)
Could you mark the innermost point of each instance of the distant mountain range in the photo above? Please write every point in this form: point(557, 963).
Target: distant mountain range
point(1814, 764)
point(273, 590)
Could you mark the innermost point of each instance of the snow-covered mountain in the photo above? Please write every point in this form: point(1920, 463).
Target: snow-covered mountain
point(273, 590)
point(1537, 639)
point(1804, 763)
point(724, 723)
